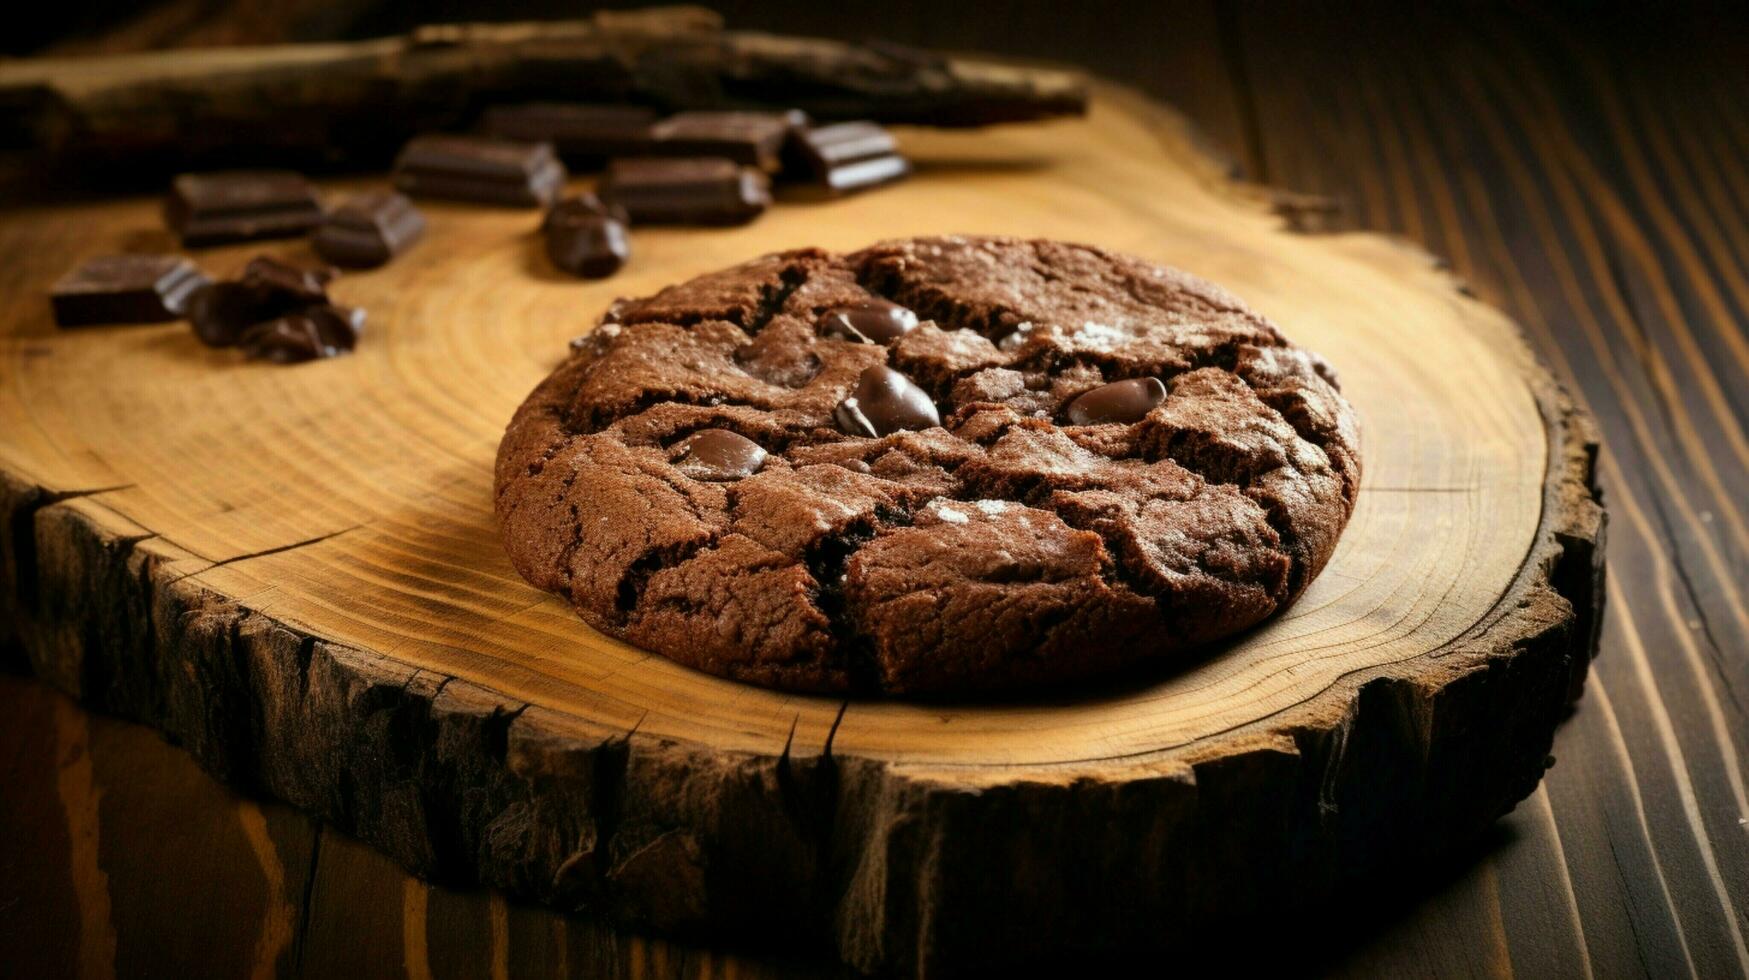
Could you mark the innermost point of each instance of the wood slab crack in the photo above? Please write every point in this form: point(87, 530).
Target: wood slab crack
point(264, 552)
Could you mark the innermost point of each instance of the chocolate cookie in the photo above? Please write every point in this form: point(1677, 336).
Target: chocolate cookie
point(935, 466)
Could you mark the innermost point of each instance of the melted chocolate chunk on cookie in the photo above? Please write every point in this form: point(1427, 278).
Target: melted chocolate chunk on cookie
point(883, 402)
point(956, 501)
point(719, 455)
point(874, 321)
point(1122, 402)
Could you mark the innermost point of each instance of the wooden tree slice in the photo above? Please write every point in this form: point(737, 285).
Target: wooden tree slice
point(294, 572)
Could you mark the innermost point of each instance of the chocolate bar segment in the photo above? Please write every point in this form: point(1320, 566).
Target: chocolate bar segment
point(369, 230)
point(583, 134)
point(586, 237)
point(754, 139)
point(240, 205)
point(126, 289)
point(479, 168)
point(710, 191)
point(843, 157)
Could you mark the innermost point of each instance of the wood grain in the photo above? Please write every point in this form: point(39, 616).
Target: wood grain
point(1682, 87)
point(1593, 187)
point(295, 573)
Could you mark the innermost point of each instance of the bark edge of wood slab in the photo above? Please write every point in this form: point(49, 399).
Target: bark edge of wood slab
point(893, 855)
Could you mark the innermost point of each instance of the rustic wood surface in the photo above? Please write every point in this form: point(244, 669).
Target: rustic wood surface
point(1617, 243)
point(296, 574)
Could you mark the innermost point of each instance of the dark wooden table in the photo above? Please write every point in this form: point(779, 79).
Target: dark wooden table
point(1586, 172)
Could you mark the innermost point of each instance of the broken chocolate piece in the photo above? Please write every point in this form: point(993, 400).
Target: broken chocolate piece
point(706, 191)
point(586, 237)
point(276, 311)
point(221, 312)
point(754, 139)
point(126, 289)
point(369, 230)
point(885, 401)
point(583, 134)
point(240, 205)
point(874, 321)
point(479, 168)
point(267, 289)
point(844, 157)
point(1121, 401)
point(324, 330)
point(719, 455)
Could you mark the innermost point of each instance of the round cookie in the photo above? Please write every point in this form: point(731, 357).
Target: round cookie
point(934, 466)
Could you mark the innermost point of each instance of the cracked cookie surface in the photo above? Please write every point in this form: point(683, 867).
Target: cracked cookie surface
point(1005, 548)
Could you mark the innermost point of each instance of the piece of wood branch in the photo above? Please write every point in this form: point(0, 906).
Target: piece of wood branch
point(157, 25)
point(320, 105)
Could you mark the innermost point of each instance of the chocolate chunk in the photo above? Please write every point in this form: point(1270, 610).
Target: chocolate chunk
point(240, 205)
point(718, 454)
point(754, 139)
point(478, 168)
point(323, 330)
point(582, 134)
point(267, 289)
point(705, 191)
point(221, 312)
point(1121, 401)
point(843, 157)
point(875, 321)
point(271, 276)
point(586, 237)
point(885, 401)
point(369, 230)
point(126, 289)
